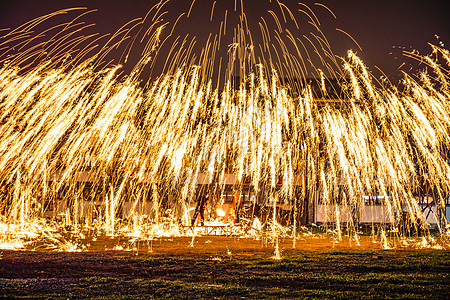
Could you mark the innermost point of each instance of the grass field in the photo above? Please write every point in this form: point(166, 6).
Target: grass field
point(220, 267)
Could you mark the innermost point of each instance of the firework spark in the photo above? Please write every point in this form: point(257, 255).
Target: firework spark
point(88, 147)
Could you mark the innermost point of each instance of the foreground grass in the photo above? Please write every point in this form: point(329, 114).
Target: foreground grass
point(310, 275)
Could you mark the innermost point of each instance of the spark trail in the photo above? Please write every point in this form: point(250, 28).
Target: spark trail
point(70, 123)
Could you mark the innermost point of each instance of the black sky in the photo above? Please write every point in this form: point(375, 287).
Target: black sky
point(377, 26)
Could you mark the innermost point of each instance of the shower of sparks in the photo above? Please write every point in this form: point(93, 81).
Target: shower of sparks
point(68, 120)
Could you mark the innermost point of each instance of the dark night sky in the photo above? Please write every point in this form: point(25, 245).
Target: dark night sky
point(377, 25)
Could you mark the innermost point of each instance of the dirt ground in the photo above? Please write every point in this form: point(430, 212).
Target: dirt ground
point(225, 267)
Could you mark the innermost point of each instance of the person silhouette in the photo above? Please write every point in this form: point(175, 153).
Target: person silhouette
point(200, 209)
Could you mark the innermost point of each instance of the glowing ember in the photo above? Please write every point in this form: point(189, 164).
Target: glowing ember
point(220, 212)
